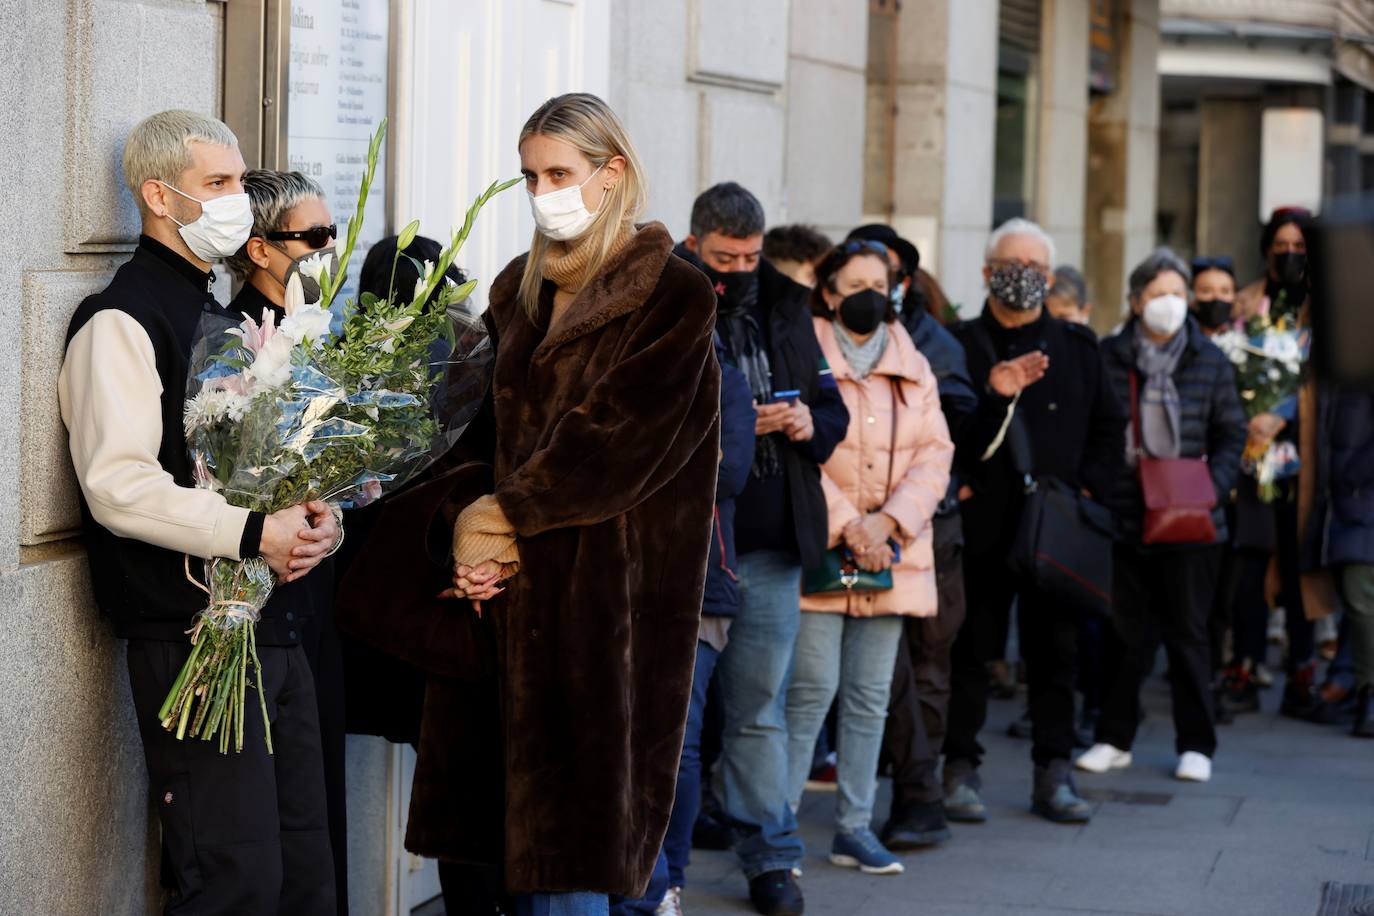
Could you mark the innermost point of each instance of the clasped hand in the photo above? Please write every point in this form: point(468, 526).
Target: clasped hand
point(296, 540)
point(477, 583)
point(868, 538)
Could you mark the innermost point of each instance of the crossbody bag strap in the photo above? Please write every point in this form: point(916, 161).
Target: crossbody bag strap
point(1013, 429)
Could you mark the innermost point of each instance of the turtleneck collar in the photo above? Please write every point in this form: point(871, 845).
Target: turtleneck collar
point(566, 263)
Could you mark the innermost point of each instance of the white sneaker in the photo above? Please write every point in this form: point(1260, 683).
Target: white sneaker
point(1103, 757)
point(672, 903)
point(1194, 767)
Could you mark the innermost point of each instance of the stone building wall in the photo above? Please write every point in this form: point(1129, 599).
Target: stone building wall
point(74, 78)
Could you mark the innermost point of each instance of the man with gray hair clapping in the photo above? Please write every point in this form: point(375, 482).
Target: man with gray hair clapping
point(1046, 410)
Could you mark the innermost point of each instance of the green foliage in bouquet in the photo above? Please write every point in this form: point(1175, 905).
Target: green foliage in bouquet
point(280, 417)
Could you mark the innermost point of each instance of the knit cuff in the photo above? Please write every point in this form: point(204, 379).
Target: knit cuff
point(482, 532)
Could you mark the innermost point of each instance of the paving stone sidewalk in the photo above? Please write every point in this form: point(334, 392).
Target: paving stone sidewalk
point(1290, 808)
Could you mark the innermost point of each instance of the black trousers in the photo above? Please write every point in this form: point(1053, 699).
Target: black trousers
point(1162, 595)
point(1250, 615)
point(324, 651)
point(1301, 641)
point(243, 834)
point(919, 708)
point(1048, 633)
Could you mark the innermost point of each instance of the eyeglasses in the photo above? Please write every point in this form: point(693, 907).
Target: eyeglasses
point(1201, 264)
point(1301, 213)
point(316, 236)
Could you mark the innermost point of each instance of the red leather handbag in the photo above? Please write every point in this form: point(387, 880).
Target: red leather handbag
point(1179, 493)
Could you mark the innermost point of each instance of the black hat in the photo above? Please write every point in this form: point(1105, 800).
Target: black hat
point(882, 232)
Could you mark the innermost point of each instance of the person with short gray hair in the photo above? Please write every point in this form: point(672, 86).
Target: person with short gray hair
point(1067, 299)
point(243, 832)
point(1048, 412)
point(1181, 392)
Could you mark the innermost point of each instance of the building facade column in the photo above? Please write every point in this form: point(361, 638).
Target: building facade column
point(1061, 185)
point(930, 171)
point(1123, 150)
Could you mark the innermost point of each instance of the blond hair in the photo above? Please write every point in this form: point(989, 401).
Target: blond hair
point(588, 124)
point(159, 147)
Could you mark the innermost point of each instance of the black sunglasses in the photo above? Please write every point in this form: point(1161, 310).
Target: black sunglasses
point(316, 236)
point(1201, 264)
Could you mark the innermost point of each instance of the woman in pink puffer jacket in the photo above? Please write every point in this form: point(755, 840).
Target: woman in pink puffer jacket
point(882, 486)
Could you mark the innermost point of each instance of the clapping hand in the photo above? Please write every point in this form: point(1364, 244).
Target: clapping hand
point(1009, 377)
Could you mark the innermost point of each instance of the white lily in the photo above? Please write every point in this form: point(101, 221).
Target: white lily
point(295, 296)
point(308, 323)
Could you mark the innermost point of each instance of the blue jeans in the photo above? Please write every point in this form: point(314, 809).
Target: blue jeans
point(561, 905)
point(853, 657)
point(677, 845)
point(751, 777)
point(653, 895)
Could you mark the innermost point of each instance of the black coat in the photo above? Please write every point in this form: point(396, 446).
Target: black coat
point(958, 397)
point(1075, 423)
point(797, 365)
point(1211, 413)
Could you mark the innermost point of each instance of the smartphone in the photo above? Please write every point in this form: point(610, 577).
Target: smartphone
point(786, 397)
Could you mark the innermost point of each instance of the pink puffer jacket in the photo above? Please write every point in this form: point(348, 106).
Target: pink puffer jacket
point(855, 478)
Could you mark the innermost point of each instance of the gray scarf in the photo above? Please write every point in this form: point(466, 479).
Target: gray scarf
point(1160, 413)
point(862, 357)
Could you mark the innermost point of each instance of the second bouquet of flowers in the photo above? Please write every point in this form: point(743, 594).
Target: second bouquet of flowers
point(280, 415)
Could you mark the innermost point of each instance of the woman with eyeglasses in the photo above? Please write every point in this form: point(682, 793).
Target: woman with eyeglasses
point(882, 487)
point(291, 223)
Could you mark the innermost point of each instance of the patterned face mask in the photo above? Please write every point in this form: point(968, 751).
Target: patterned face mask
point(1018, 286)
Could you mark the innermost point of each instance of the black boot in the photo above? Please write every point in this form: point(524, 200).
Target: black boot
point(1055, 798)
point(1364, 713)
point(775, 893)
point(916, 827)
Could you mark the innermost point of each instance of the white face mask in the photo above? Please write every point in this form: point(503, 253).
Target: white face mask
point(222, 228)
point(1164, 315)
point(561, 215)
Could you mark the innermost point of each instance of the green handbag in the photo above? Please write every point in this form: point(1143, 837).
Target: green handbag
point(839, 572)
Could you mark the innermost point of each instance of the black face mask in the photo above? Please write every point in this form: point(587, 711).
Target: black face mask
point(734, 290)
point(1213, 313)
point(1290, 268)
point(863, 311)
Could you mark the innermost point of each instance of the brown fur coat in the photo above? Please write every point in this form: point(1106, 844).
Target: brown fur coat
point(605, 442)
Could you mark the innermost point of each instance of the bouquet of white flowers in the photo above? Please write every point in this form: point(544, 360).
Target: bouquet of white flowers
point(1268, 353)
point(280, 415)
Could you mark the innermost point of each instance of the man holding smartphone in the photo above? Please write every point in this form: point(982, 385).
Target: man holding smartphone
point(781, 525)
